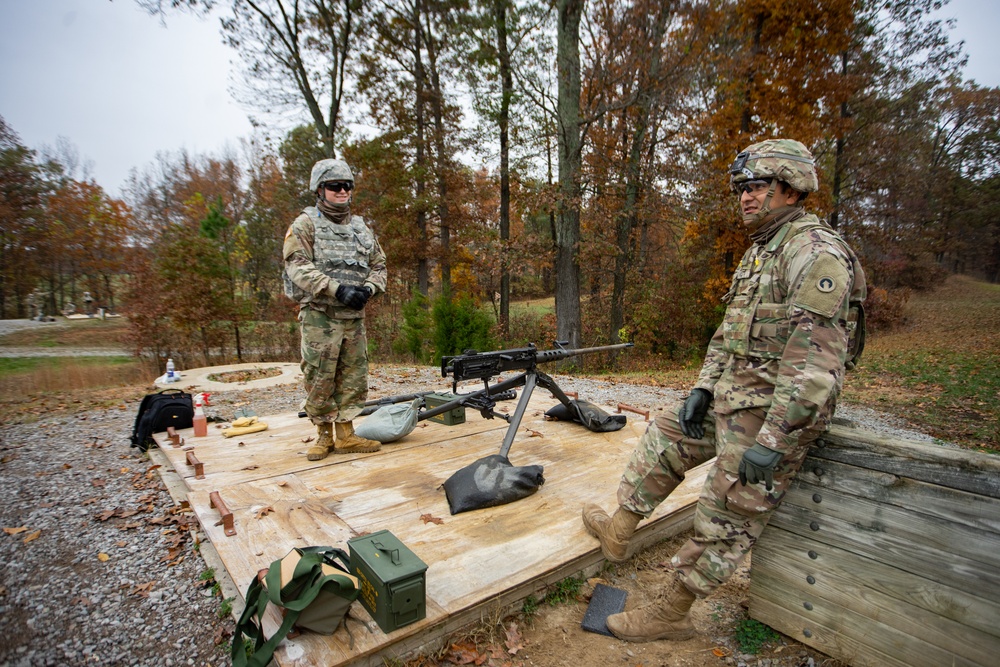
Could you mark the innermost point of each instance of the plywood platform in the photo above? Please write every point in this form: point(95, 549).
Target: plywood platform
point(476, 560)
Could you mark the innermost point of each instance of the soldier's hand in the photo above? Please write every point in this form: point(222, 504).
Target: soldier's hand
point(692, 413)
point(758, 464)
point(353, 296)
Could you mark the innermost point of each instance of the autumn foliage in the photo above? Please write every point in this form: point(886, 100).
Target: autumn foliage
point(907, 154)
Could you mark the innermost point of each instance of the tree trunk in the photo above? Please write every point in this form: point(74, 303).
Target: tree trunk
point(838, 160)
point(440, 161)
point(567, 239)
point(507, 89)
point(747, 114)
point(420, 76)
point(628, 219)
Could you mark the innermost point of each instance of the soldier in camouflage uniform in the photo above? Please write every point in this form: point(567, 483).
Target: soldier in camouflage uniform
point(333, 266)
point(774, 369)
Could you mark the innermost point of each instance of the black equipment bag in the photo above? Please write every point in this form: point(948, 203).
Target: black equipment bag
point(170, 407)
point(588, 414)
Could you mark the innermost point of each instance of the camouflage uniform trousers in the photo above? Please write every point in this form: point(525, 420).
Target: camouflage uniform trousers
point(335, 366)
point(729, 517)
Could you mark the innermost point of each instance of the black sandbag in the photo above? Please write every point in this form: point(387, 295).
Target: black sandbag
point(489, 482)
point(588, 414)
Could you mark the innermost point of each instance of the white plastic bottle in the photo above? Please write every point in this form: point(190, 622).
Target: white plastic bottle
point(171, 376)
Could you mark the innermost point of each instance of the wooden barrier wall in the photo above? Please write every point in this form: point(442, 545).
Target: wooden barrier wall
point(886, 553)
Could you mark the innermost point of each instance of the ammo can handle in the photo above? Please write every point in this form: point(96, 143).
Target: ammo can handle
point(393, 553)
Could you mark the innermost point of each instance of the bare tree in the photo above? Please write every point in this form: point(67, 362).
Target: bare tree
point(294, 54)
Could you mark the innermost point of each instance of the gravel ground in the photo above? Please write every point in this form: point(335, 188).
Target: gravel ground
point(100, 568)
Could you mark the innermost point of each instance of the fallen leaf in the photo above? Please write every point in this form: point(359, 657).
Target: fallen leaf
point(33, 536)
point(514, 641)
point(222, 633)
point(719, 652)
point(46, 506)
point(282, 483)
point(250, 468)
point(15, 531)
point(464, 654)
point(67, 466)
point(264, 511)
point(98, 482)
point(103, 557)
point(533, 433)
point(428, 518)
point(120, 543)
point(142, 590)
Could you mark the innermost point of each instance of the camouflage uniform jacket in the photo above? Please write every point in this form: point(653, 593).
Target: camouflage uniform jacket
point(320, 254)
point(782, 345)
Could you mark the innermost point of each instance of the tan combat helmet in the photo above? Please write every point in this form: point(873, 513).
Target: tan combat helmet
point(329, 170)
point(781, 159)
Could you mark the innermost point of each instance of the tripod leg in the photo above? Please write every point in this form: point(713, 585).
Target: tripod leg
point(515, 420)
point(550, 384)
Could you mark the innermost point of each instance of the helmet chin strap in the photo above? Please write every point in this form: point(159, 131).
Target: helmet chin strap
point(754, 220)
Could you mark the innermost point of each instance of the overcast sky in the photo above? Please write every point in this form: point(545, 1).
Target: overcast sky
point(121, 86)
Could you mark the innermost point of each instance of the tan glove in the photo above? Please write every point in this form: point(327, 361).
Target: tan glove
point(243, 426)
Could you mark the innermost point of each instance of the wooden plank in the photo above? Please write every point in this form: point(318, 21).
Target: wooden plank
point(953, 570)
point(870, 627)
point(844, 636)
point(280, 450)
point(969, 509)
point(476, 560)
point(906, 524)
point(841, 575)
point(956, 468)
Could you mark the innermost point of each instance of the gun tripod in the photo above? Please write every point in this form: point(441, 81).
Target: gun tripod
point(485, 400)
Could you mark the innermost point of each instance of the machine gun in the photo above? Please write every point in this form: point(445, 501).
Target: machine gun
point(487, 365)
point(492, 480)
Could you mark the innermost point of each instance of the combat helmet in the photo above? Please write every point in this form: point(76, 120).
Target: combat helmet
point(781, 159)
point(329, 170)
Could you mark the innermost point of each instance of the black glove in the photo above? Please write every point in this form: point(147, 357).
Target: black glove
point(353, 296)
point(758, 465)
point(692, 413)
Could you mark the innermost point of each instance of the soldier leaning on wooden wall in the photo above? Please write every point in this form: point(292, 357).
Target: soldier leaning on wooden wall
point(333, 266)
point(767, 389)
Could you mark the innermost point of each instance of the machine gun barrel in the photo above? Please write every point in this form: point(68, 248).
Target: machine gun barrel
point(561, 353)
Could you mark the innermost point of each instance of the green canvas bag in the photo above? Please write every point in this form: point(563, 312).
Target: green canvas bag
point(312, 588)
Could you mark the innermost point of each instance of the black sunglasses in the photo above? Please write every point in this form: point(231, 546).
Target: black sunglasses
point(753, 187)
point(337, 186)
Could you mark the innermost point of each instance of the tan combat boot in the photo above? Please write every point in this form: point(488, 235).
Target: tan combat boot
point(665, 618)
point(323, 444)
point(613, 532)
point(348, 442)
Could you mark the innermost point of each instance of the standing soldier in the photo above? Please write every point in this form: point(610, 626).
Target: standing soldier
point(774, 369)
point(333, 266)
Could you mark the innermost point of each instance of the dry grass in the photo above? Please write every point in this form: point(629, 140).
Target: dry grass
point(94, 333)
point(33, 387)
point(941, 371)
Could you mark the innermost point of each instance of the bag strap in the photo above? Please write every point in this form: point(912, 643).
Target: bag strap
point(305, 585)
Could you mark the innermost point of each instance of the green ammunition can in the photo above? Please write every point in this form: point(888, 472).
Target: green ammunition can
point(391, 579)
point(450, 418)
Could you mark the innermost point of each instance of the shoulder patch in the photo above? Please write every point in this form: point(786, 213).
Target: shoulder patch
point(824, 287)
